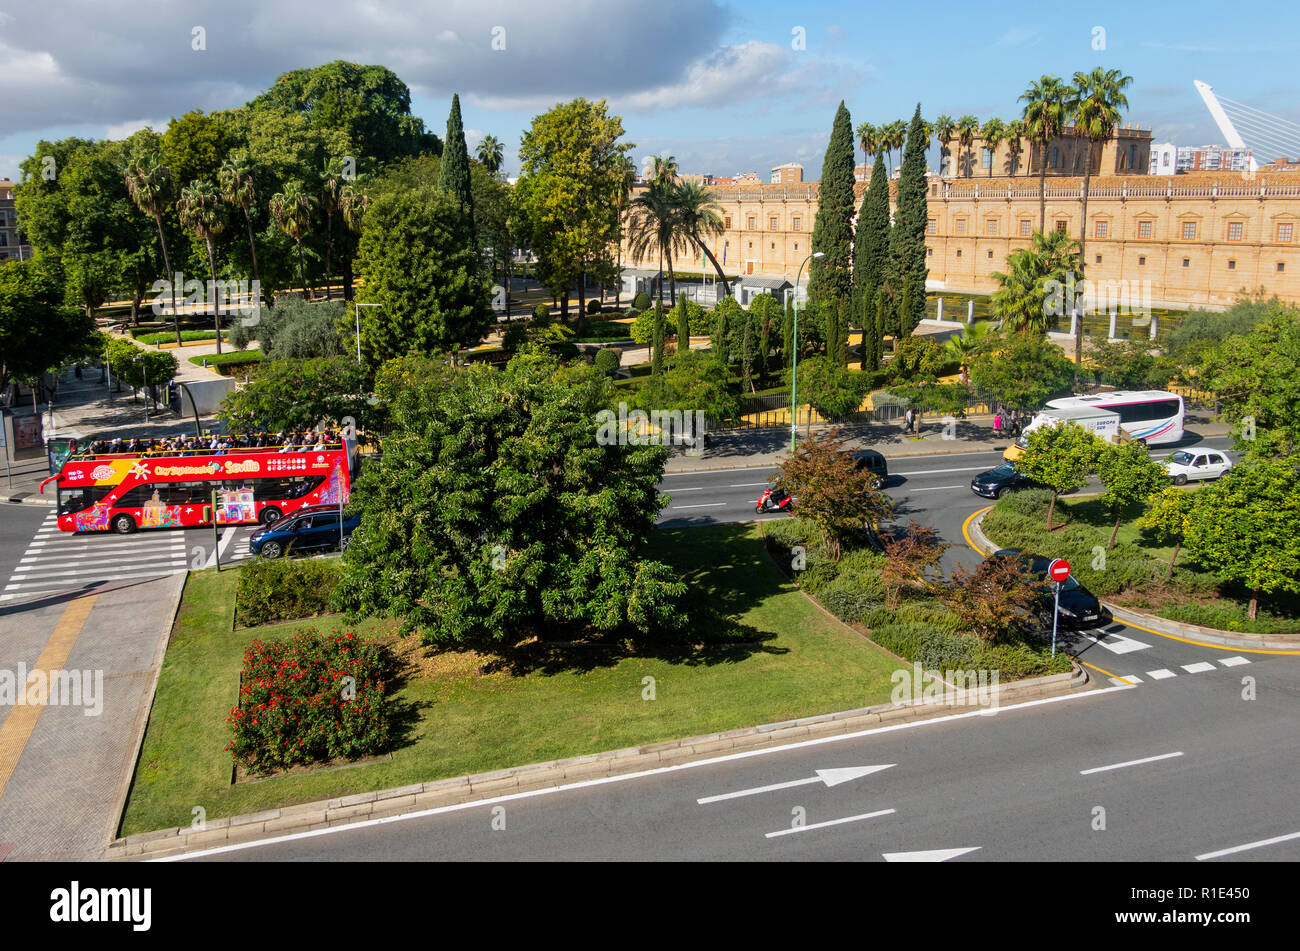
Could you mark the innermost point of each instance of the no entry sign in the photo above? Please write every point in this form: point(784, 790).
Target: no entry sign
point(1058, 570)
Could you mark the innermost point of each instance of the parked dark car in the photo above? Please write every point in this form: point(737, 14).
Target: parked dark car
point(873, 462)
point(1000, 480)
point(314, 528)
point(1079, 606)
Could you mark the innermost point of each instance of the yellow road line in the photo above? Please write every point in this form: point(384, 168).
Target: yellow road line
point(1101, 671)
point(18, 726)
point(965, 529)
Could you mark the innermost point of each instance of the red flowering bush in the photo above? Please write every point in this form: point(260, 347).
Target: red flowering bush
point(312, 697)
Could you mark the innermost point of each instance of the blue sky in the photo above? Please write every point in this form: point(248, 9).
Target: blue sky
point(721, 86)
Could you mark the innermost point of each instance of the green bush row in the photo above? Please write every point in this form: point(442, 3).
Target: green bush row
point(284, 589)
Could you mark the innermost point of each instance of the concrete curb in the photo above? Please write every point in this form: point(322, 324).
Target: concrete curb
point(1160, 625)
point(389, 803)
point(27, 500)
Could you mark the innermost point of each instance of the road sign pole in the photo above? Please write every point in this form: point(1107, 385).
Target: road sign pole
point(1056, 612)
point(216, 535)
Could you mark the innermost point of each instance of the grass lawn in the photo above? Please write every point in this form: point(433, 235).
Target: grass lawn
point(463, 712)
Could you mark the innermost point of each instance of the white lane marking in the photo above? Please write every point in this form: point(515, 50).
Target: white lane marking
point(1117, 643)
point(832, 822)
point(1198, 668)
point(932, 855)
point(1132, 762)
point(702, 505)
point(1161, 674)
point(212, 558)
point(693, 489)
point(1249, 845)
point(941, 471)
point(52, 558)
point(936, 488)
point(625, 777)
point(227, 537)
point(747, 485)
point(829, 777)
point(1233, 661)
point(83, 572)
point(72, 583)
point(1120, 682)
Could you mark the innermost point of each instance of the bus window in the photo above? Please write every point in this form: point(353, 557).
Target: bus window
point(81, 498)
point(135, 498)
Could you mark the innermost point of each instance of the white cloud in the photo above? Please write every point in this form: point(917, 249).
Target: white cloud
point(123, 129)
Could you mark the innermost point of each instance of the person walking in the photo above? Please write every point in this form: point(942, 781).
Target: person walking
point(997, 425)
point(910, 419)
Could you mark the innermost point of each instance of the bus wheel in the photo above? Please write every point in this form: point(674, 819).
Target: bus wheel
point(123, 524)
point(271, 550)
point(270, 515)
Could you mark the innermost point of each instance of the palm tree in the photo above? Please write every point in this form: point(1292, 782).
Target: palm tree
point(1047, 107)
point(1020, 302)
point(149, 183)
point(353, 203)
point(967, 128)
point(893, 135)
point(1097, 100)
point(622, 194)
point(994, 133)
point(237, 188)
point(665, 168)
point(292, 211)
point(868, 138)
point(654, 224)
point(200, 210)
point(969, 341)
point(490, 153)
point(701, 218)
point(331, 190)
point(1015, 134)
point(944, 129)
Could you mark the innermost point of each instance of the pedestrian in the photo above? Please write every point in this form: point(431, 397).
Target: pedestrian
point(910, 419)
point(997, 424)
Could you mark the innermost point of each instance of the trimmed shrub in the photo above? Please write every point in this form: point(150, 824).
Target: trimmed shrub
point(514, 335)
point(607, 361)
point(641, 301)
point(593, 306)
point(542, 314)
point(284, 590)
point(847, 601)
point(313, 697)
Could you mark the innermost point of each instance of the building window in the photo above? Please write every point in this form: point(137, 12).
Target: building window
point(1280, 267)
point(1142, 261)
point(1101, 229)
point(773, 245)
point(1189, 230)
point(992, 226)
point(4, 240)
point(959, 252)
point(726, 222)
point(990, 255)
point(771, 224)
point(1060, 225)
point(796, 245)
point(751, 223)
point(1098, 261)
point(1056, 158)
point(1284, 234)
point(961, 225)
point(986, 158)
point(932, 227)
point(751, 245)
point(1232, 265)
point(929, 252)
point(1187, 262)
point(1234, 230)
point(1026, 228)
point(1144, 229)
point(798, 223)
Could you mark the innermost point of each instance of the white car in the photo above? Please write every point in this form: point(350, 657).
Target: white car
point(1183, 466)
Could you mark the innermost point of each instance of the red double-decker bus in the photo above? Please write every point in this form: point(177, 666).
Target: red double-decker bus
point(122, 492)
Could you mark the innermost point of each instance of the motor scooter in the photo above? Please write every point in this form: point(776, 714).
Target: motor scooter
point(774, 500)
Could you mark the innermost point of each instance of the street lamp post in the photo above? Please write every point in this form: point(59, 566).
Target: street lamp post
point(144, 365)
point(794, 354)
point(356, 307)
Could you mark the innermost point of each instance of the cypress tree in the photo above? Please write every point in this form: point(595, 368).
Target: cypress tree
point(764, 347)
point(683, 327)
point(747, 353)
point(842, 335)
point(453, 172)
point(907, 237)
point(831, 314)
point(871, 241)
point(882, 322)
point(657, 361)
point(829, 277)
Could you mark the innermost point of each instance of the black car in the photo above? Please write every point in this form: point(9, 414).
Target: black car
point(314, 528)
point(1079, 606)
point(873, 462)
point(1000, 480)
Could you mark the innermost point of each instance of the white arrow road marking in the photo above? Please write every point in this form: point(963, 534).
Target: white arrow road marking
point(933, 855)
point(1132, 762)
point(1199, 667)
point(1117, 644)
point(823, 825)
point(831, 777)
point(1249, 845)
point(1233, 661)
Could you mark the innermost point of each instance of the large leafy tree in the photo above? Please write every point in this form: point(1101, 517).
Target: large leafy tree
point(993, 600)
point(1131, 478)
point(1048, 104)
point(1022, 372)
point(1243, 528)
point(1031, 292)
point(573, 168)
point(1168, 520)
point(907, 265)
point(297, 394)
point(871, 262)
point(1097, 100)
point(539, 526)
point(912, 559)
point(1256, 378)
point(830, 277)
point(833, 494)
point(415, 264)
point(195, 145)
point(1061, 457)
point(37, 332)
point(693, 380)
point(295, 328)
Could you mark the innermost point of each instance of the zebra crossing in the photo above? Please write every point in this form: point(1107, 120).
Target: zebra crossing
point(1164, 673)
point(56, 561)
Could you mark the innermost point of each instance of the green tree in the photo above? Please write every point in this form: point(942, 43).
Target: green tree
point(968, 127)
point(195, 145)
point(829, 277)
point(1031, 294)
point(657, 360)
point(871, 261)
point(1061, 457)
point(912, 557)
point(1123, 364)
point(414, 264)
point(993, 600)
point(907, 265)
point(834, 391)
point(150, 184)
point(297, 329)
point(1022, 372)
point(292, 210)
point(1243, 528)
point(239, 189)
point(994, 134)
point(834, 495)
point(297, 394)
point(134, 365)
point(453, 173)
point(962, 346)
point(201, 211)
point(1130, 476)
point(1256, 378)
point(917, 359)
point(945, 128)
point(683, 327)
point(655, 226)
point(540, 524)
point(490, 152)
point(1048, 105)
point(726, 318)
point(1168, 520)
point(692, 381)
point(37, 332)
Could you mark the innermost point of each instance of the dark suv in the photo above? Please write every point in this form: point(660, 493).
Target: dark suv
point(314, 528)
point(998, 481)
point(873, 462)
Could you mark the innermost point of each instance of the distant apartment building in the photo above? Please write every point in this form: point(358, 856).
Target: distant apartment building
point(1212, 158)
point(747, 178)
point(791, 173)
point(13, 243)
point(1164, 159)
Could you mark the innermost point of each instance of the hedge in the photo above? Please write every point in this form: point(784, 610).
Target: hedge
point(279, 589)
